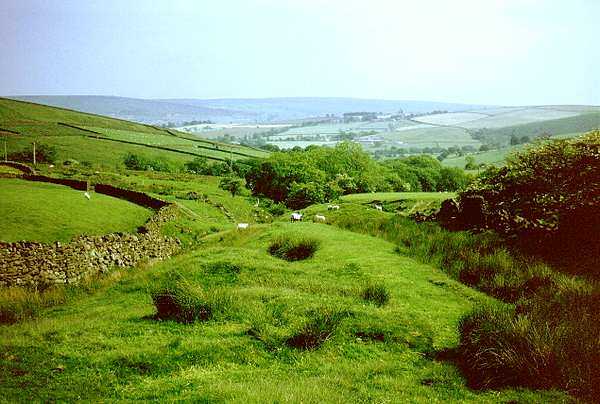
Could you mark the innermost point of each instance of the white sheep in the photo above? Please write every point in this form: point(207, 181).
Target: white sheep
point(333, 207)
point(87, 195)
point(242, 226)
point(296, 217)
point(379, 208)
point(320, 218)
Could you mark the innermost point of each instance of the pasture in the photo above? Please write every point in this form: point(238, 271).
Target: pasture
point(36, 211)
point(251, 348)
point(397, 196)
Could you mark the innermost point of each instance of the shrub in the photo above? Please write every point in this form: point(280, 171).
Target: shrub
point(320, 326)
point(377, 294)
point(231, 184)
point(43, 154)
point(293, 248)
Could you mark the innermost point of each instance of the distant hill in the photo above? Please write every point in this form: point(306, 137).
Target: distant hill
point(233, 110)
point(101, 141)
point(135, 109)
point(284, 109)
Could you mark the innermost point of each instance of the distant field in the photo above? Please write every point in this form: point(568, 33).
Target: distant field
point(433, 136)
point(397, 196)
point(47, 212)
point(452, 118)
point(494, 157)
point(518, 117)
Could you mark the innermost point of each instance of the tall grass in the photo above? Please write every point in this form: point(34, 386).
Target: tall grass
point(291, 247)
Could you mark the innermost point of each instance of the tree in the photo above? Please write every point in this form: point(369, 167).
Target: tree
point(470, 163)
point(231, 184)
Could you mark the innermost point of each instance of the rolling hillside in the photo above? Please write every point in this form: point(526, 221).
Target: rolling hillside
point(103, 141)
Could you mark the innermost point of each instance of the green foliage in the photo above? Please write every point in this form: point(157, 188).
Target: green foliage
point(320, 174)
point(137, 162)
point(292, 247)
point(198, 165)
point(548, 197)
point(44, 153)
point(231, 184)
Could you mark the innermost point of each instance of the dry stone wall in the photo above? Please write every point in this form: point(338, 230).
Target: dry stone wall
point(40, 265)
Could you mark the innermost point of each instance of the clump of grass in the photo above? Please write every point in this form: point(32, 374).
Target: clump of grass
point(549, 342)
point(319, 327)
point(184, 302)
point(293, 247)
point(376, 293)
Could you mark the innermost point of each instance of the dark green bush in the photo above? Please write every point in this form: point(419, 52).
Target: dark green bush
point(293, 248)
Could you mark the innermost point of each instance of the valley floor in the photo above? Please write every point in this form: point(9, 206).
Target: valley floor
point(108, 346)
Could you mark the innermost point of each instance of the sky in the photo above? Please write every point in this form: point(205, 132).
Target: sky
point(501, 52)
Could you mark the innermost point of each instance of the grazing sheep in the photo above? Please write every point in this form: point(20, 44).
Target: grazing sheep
point(333, 207)
point(87, 195)
point(296, 217)
point(320, 218)
point(242, 226)
point(379, 208)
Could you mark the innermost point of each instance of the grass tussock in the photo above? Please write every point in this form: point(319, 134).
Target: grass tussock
point(19, 303)
point(184, 302)
point(551, 342)
point(377, 294)
point(318, 328)
point(293, 247)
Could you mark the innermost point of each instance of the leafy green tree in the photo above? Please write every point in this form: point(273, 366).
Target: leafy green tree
point(231, 184)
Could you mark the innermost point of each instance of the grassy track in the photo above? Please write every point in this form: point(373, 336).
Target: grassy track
point(105, 346)
point(47, 212)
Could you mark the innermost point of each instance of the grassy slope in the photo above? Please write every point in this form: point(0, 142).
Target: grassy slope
point(48, 212)
point(40, 123)
point(104, 347)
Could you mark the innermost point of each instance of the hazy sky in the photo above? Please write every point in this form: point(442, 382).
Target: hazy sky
point(510, 52)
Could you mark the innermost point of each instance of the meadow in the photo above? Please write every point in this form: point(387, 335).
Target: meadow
point(43, 212)
point(249, 349)
point(397, 196)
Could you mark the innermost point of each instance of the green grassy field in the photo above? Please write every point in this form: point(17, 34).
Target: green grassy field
point(397, 196)
point(372, 354)
point(41, 124)
point(495, 157)
point(47, 212)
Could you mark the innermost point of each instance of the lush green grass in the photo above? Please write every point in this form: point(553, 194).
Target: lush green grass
point(107, 346)
point(397, 196)
point(47, 212)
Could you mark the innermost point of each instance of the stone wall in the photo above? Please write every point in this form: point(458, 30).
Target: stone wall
point(136, 197)
point(40, 265)
point(75, 184)
point(19, 166)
